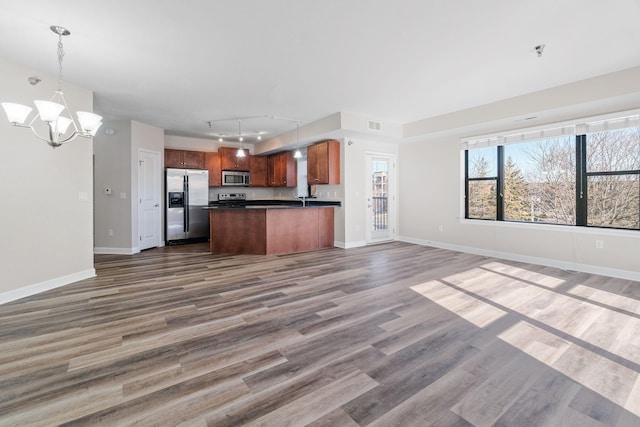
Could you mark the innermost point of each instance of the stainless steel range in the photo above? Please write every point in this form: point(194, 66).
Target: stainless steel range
point(233, 200)
point(223, 197)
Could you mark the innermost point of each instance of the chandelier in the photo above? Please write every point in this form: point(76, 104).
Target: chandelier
point(61, 129)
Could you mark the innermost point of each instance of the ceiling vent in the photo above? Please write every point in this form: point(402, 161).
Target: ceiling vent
point(375, 126)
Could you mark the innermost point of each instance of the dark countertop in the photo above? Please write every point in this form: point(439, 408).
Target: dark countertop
point(268, 207)
point(274, 204)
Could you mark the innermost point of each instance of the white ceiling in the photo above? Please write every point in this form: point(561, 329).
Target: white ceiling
point(178, 64)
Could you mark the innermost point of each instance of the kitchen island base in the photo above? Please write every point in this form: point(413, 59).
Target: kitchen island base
point(267, 231)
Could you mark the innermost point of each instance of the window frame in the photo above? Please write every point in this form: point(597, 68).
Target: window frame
point(581, 189)
point(496, 179)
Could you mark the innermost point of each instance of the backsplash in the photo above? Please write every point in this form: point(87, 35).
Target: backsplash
point(324, 192)
point(252, 192)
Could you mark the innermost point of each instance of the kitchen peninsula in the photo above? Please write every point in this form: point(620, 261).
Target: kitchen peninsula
point(271, 229)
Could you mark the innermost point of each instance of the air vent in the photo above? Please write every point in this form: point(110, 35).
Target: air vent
point(375, 126)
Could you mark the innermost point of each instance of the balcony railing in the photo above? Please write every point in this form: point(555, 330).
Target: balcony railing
point(380, 213)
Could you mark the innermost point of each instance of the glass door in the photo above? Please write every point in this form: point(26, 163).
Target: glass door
point(380, 200)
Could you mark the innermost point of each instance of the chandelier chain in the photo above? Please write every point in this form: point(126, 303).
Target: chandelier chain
point(60, 57)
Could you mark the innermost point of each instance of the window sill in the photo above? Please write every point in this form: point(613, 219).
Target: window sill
point(613, 232)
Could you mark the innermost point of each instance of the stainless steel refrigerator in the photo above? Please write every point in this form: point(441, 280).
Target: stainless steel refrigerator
point(187, 194)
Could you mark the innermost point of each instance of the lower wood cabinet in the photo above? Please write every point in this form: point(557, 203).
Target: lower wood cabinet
point(270, 231)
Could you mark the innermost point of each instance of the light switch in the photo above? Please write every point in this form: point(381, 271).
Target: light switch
point(123, 196)
point(83, 196)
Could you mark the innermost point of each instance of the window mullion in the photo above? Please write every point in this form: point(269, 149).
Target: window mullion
point(581, 180)
point(500, 185)
point(466, 184)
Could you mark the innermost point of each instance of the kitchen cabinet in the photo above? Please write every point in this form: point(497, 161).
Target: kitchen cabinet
point(282, 170)
point(184, 159)
point(212, 163)
point(268, 231)
point(258, 170)
point(229, 160)
point(323, 163)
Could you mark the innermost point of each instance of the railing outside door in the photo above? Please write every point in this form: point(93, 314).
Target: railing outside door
point(380, 206)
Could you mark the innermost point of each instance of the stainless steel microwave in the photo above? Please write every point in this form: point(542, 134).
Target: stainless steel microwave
point(236, 178)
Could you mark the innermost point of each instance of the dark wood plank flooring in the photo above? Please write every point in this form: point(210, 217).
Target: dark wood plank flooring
point(387, 335)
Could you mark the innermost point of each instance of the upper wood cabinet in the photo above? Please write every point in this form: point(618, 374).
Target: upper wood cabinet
point(258, 170)
point(229, 160)
point(184, 159)
point(212, 163)
point(323, 162)
point(282, 170)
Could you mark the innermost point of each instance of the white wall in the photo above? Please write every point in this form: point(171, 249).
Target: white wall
point(112, 148)
point(47, 231)
point(431, 191)
point(116, 167)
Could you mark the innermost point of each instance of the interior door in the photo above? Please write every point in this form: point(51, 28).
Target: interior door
point(380, 198)
point(149, 193)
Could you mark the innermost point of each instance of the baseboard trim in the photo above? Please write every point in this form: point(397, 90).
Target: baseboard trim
point(547, 262)
point(115, 251)
point(47, 285)
point(352, 245)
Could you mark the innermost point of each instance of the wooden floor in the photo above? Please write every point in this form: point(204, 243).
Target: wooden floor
point(387, 335)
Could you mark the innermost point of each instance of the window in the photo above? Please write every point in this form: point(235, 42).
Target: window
point(482, 183)
point(613, 178)
point(540, 181)
point(590, 179)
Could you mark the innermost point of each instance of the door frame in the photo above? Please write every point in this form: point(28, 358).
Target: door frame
point(157, 172)
point(392, 187)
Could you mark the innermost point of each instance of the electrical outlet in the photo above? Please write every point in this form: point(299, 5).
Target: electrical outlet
point(599, 244)
point(110, 233)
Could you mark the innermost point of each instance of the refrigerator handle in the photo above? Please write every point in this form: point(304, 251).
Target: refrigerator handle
point(186, 203)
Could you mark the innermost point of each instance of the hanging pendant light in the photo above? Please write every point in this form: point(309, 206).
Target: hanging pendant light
point(240, 152)
point(50, 111)
point(297, 154)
